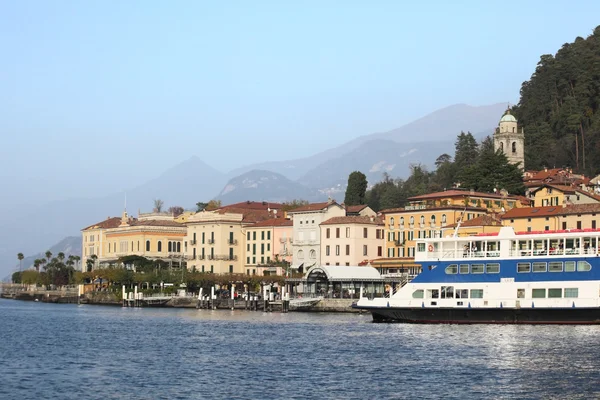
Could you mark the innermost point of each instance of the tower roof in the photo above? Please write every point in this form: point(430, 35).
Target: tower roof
point(508, 117)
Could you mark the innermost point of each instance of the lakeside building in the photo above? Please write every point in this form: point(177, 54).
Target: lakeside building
point(559, 195)
point(350, 240)
point(156, 236)
point(268, 242)
point(306, 241)
point(538, 219)
point(510, 140)
point(215, 240)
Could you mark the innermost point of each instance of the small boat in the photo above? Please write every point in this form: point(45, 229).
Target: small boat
point(548, 277)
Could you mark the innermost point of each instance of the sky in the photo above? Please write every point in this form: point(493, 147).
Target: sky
point(98, 96)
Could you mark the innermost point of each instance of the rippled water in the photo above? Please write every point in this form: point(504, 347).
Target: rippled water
point(51, 351)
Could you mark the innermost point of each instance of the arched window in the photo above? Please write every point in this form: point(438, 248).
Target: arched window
point(312, 254)
point(422, 219)
point(514, 147)
point(391, 221)
point(513, 130)
point(412, 221)
point(159, 246)
point(147, 245)
point(179, 247)
point(433, 219)
point(170, 247)
point(401, 221)
point(300, 254)
point(501, 146)
point(444, 219)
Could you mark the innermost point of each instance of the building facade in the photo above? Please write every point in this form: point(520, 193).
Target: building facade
point(509, 139)
point(559, 195)
point(268, 243)
point(351, 240)
point(306, 241)
point(539, 219)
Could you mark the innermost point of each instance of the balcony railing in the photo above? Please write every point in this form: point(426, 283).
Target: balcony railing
point(201, 257)
point(190, 257)
point(211, 241)
point(232, 242)
point(193, 242)
point(225, 257)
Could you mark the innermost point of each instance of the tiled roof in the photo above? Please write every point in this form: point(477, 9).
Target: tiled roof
point(482, 220)
point(561, 188)
point(106, 224)
point(448, 207)
point(353, 219)
point(355, 209)
point(273, 222)
point(530, 212)
point(311, 207)
point(253, 205)
point(249, 215)
point(456, 193)
point(155, 222)
point(544, 174)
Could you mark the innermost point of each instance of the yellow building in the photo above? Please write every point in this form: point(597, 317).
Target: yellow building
point(156, 236)
point(491, 202)
point(539, 219)
point(215, 240)
point(558, 195)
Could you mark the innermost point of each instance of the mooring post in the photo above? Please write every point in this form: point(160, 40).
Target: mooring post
point(232, 296)
point(212, 297)
point(124, 296)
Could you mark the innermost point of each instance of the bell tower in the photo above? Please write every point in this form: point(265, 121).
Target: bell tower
point(509, 139)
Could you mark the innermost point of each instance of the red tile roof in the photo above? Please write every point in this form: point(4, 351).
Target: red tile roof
point(273, 222)
point(482, 220)
point(457, 193)
point(448, 207)
point(155, 222)
point(355, 209)
point(531, 212)
point(312, 207)
point(249, 215)
point(253, 205)
point(561, 188)
point(353, 219)
point(106, 224)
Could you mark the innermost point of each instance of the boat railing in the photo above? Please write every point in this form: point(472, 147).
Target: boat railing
point(552, 252)
point(454, 254)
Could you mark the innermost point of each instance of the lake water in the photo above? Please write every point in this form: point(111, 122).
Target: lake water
point(51, 351)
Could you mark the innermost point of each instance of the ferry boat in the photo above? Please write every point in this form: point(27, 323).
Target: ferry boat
point(549, 277)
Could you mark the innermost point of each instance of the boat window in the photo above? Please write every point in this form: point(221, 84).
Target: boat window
point(492, 268)
point(554, 293)
point(539, 267)
point(421, 247)
point(520, 293)
point(477, 293)
point(464, 268)
point(447, 292)
point(523, 267)
point(462, 293)
point(452, 269)
point(418, 294)
point(538, 293)
point(571, 293)
point(583, 266)
point(555, 266)
point(569, 266)
point(433, 293)
point(477, 268)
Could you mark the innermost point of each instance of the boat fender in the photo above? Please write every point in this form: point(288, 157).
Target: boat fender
point(573, 304)
point(422, 304)
point(532, 304)
point(388, 304)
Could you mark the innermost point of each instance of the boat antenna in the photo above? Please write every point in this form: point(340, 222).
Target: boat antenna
point(459, 222)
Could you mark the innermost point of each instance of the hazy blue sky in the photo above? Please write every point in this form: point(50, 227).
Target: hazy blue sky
point(93, 88)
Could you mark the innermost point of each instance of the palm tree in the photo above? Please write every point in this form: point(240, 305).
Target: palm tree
point(36, 264)
point(20, 257)
point(60, 256)
point(48, 255)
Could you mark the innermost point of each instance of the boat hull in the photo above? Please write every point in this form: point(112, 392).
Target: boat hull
point(577, 316)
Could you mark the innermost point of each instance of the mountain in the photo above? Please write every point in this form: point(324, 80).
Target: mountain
point(260, 185)
point(38, 227)
point(444, 124)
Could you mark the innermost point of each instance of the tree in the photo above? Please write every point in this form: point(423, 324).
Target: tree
point(465, 155)
point(291, 205)
point(20, 257)
point(36, 264)
point(16, 277)
point(48, 255)
point(175, 211)
point(213, 205)
point(60, 256)
point(158, 205)
point(356, 189)
point(200, 206)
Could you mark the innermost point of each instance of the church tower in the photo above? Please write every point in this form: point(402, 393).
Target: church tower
point(510, 139)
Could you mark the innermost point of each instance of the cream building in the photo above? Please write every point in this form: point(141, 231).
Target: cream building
point(559, 195)
point(267, 242)
point(539, 219)
point(306, 247)
point(351, 240)
point(510, 140)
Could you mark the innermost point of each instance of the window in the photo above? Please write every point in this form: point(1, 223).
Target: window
point(402, 221)
point(462, 293)
point(571, 293)
point(365, 231)
point(379, 251)
point(422, 220)
point(514, 147)
point(262, 235)
point(447, 292)
point(262, 248)
point(391, 221)
point(492, 268)
point(464, 269)
point(523, 267)
point(169, 247)
point(420, 246)
point(443, 219)
point(477, 293)
point(365, 250)
point(347, 249)
point(300, 255)
point(477, 268)
point(539, 267)
point(594, 224)
point(268, 235)
point(583, 266)
point(554, 293)
point(147, 245)
point(433, 294)
point(337, 233)
point(520, 293)
point(327, 250)
point(254, 235)
point(327, 233)
point(412, 221)
point(538, 293)
point(337, 250)
point(248, 236)
point(569, 266)
point(231, 269)
point(347, 232)
point(452, 269)
point(418, 294)
point(555, 266)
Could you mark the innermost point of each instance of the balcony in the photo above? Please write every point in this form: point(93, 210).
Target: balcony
point(201, 257)
point(193, 242)
point(211, 241)
point(225, 257)
point(190, 257)
point(233, 242)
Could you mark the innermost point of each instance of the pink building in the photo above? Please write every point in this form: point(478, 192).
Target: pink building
point(267, 242)
point(351, 240)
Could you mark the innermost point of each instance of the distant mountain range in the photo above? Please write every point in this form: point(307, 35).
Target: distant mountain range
point(311, 178)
